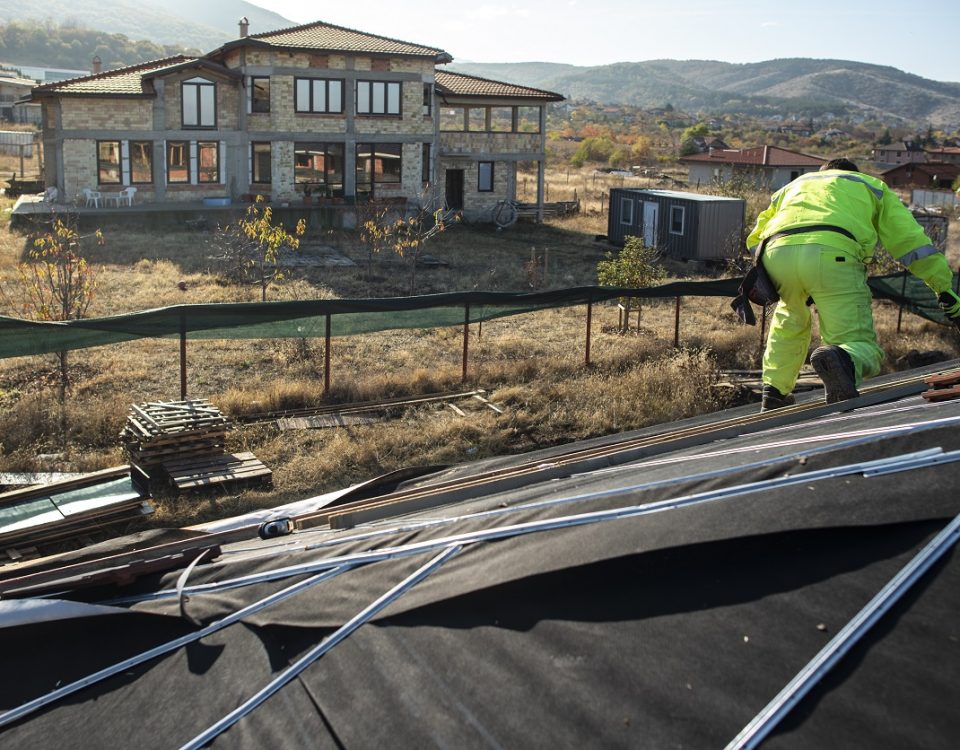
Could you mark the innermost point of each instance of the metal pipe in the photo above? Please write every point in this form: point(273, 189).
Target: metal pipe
point(589, 320)
point(676, 325)
point(466, 339)
point(765, 722)
point(903, 293)
point(326, 358)
point(183, 357)
point(339, 635)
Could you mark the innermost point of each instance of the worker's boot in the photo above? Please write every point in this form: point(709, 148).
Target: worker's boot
point(835, 368)
point(773, 399)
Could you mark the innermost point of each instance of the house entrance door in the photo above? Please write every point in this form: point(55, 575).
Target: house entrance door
point(454, 192)
point(650, 223)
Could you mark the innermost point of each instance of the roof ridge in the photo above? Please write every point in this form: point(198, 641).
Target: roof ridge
point(314, 24)
point(494, 80)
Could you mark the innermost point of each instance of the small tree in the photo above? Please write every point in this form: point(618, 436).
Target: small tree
point(251, 247)
point(55, 283)
point(634, 266)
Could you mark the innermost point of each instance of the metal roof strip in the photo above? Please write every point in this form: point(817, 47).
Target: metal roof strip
point(44, 700)
point(765, 722)
point(909, 460)
point(362, 617)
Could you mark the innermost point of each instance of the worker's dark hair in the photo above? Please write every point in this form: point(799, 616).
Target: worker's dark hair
point(840, 163)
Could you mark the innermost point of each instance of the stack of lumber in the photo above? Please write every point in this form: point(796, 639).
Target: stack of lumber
point(184, 443)
point(68, 509)
point(161, 431)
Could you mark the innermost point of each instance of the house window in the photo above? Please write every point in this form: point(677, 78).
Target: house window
point(425, 160)
point(677, 219)
point(319, 164)
point(477, 119)
point(501, 119)
point(626, 211)
point(108, 162)
point(141, 162)
point(528, 119)
point(485, 177)
point(318, 95)
point(260, 94)
point(452, 119)
point(199, 97)
point(208, 161)
point(427, 99)
point(378, 97)
point(178, 162)
point(378, 164)
point(261, 161)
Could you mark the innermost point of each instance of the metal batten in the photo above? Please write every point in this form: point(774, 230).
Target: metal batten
point(321, 648)
point(630, 511)
point(30, 706)
point(766, 721)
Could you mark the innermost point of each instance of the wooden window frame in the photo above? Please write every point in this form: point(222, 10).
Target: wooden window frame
point(253, 162)
point(253, 97)
point(148, 150)
point(202, 146)
point(118, 166)
point(185, 145)
point(193, 88)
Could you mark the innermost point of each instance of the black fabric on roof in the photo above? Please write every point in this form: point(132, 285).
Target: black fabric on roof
point(667, 630)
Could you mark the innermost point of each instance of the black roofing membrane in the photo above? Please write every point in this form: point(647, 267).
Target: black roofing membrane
point(672, 629)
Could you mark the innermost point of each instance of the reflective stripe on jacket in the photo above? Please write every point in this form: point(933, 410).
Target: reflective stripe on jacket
point(861, 204)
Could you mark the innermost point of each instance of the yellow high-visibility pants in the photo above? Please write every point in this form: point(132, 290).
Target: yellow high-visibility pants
point(837, 282)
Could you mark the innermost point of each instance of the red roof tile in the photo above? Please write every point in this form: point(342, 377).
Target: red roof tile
point(329, 38)
point(767, 156)
point(121, 82)
point(458, 84)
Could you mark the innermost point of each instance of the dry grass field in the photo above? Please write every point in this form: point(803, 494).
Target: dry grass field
point(532, 366)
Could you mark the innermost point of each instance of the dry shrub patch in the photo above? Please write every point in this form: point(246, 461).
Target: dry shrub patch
point(532, 365)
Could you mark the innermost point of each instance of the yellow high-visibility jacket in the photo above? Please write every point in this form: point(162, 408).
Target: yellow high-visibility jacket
point(865, 207)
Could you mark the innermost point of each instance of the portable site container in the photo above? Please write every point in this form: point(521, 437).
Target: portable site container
point(686, 226)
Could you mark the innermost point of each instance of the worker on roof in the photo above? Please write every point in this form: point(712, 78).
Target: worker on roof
point(817, 236)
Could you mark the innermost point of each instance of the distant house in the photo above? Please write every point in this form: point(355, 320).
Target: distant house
point(305, 112)
point(903, 152)
point(12, 90)
point(928, 174)
point(948, 154)
point(703, 143)
point(767, 167)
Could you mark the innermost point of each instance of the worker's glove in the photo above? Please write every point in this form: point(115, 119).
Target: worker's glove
point(950, 304)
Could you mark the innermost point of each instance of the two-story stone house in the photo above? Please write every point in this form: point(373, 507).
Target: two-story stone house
point(315, 110)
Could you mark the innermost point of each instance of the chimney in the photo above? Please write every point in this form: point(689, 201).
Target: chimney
point(244, 27)
point(97, 65)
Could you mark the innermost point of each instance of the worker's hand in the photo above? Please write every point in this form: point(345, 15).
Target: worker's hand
point(950, 304)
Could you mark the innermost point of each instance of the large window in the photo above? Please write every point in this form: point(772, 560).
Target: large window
point(378, 97)
point(626, 211)
point(260, 163)
point(378, 164)
point(199, 98)
point(427, 170)
point(485, 177)
point(108, 162)
point(260, 94)
point(193, 162)
point(178, 162)
point(319, 165)
point(141, 162)
point(318, 95)
point(208, 161)
point(427, 99)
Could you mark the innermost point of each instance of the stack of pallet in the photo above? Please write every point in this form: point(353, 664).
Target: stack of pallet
point(183, 442)
point(161, 431)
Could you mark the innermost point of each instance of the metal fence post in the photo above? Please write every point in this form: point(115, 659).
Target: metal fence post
point(676, 325)
point(466, 338)
point(326, 359)
point(183, 357)
point(589, 320)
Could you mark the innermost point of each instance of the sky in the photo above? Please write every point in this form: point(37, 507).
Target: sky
point(923, 38)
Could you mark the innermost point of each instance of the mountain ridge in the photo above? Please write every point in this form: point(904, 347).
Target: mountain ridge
point(801, 86)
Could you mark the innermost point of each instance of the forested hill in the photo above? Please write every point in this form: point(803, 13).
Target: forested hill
point(802, 87)
point(178, 24)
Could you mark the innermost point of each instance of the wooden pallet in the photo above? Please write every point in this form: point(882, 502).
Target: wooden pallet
point(160, 431)
point(241, 469)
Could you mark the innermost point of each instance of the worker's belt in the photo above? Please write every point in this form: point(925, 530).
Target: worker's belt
point(808, 228)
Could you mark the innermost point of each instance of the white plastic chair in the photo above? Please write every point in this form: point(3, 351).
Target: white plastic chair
point(126, 196)
point(51, 194)
point(92, 197)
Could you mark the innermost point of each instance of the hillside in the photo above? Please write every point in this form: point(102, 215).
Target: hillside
point(182, 23)
point(803, 87)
